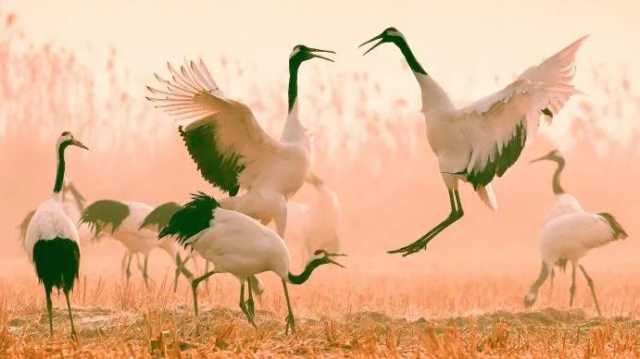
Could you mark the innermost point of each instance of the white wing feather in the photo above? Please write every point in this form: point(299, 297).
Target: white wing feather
point(495, 117)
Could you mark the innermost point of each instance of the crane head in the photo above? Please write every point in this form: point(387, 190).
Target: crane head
point(554, 155)
point(324, 257)
point(66, 139)
point(302, 53)
point(390, 34)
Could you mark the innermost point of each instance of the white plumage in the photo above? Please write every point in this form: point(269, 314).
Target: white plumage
point(230, 147)
point(52, 242)
point(479, 142)
point(123, 221)
point(315, 224)
point(568, 234)
point(237, 244)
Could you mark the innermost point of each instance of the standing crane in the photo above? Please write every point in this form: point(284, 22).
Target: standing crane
point(238, 244)
point(52, 241)
point(230, 148)
point(125, 222)
point(568, 234)
point(477, 143)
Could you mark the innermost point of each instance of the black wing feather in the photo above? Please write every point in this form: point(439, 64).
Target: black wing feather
point(191, 219)
point(220, 169)
point(502, 160)
point(104, 212)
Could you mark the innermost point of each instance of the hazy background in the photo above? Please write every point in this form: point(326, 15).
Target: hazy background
point(68, 65)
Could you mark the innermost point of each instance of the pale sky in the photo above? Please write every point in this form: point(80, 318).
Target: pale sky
point(470, 35)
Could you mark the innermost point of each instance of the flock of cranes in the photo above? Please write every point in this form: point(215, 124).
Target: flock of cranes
point(260, 174)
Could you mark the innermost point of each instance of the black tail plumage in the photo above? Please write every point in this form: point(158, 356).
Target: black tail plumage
point(57, 263)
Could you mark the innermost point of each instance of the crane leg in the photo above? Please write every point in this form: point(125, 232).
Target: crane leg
point(145, 274)
point(47, 293)
point(73, 328)
point(532, 296)
point(291, 322)
point(572, 288)
point(128, 269)
point(592, 288)
point(243, 304)
point(181, 269)
point(249, 303)
point(421, 243)
point(194, 289)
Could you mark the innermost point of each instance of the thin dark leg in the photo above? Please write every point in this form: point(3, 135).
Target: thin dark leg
point(145, 275)
point(47, 293)
point(243, 304)
point(291, 322)
point(73, 328)
point(455, 214)
point(194, 289)
point(181, 269)
point(250, 305)
point(572, 288)
point(128, 270)
point(532, 296)
point(592, 288)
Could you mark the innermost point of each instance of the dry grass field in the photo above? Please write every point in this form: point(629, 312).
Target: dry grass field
point(462, 297)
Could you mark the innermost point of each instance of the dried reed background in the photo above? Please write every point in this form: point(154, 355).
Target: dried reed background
point(460, 298)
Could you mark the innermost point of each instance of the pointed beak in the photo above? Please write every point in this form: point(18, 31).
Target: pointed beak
point(329, 255)
point(545, 157)
point(79, 144)
point(382, 41)
point(313, 53)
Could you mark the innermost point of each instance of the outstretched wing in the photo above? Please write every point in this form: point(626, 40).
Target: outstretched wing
point(497, 125)
point(221, 135)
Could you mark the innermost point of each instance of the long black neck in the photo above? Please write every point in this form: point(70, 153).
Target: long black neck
point(409, 56)
point(57, 187)
point(294, 65)
point(557, 188)
point(304, 276)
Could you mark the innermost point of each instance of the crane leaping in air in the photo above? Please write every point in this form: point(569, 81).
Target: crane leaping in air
point(477, 143)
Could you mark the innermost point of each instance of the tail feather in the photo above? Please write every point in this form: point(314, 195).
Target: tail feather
point(488, 196)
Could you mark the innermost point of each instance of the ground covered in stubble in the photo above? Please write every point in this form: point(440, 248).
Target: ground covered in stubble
point(170, 331)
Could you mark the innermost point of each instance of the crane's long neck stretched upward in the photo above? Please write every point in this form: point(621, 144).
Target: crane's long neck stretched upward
point(555, 182)
point(293, 129)
point(434, 99)
point(306, 273)
point(57, 187)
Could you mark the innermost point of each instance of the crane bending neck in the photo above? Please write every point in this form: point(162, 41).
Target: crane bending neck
point(555, 182)
point(306, 273)
point(57, 187)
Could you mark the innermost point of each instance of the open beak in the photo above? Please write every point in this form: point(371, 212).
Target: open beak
point(313, 53)
point(79, 144)
point(374, 46)
point(329, 255)
point(545, 157)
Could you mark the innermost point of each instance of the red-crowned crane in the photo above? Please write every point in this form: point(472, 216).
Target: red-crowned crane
point(52, 241)
point(477, 143)
point(568, 234)
point(238, 244)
